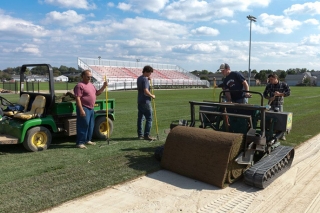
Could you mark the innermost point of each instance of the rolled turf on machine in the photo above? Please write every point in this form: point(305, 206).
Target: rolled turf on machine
point(203, 154)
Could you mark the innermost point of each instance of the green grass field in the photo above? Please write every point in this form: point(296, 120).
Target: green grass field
point(31, 182)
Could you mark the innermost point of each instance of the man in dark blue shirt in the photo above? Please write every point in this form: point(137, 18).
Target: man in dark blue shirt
point(144, 104)
point(234, 81)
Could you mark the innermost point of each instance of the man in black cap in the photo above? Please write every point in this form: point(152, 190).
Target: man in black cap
point(234, 81)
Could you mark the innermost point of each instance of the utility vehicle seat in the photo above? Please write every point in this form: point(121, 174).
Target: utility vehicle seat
point(37, 109)
point(23, 101)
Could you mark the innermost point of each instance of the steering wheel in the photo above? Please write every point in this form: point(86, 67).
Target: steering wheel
point(5, 102)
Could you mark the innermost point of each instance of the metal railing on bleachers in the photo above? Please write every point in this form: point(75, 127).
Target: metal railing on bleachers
point(123, 74)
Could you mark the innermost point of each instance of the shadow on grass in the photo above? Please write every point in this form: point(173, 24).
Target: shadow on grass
point(57, 143)
point(63, 142)
point(142, 159)
point(124, 139)
point(12, 149)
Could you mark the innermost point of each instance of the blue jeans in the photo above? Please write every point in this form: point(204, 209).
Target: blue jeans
point(144, 113)
point(85, 125)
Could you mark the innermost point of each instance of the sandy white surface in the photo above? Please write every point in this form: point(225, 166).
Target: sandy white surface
point(298, 190)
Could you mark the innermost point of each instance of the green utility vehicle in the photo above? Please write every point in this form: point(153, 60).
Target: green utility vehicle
point(42, 115)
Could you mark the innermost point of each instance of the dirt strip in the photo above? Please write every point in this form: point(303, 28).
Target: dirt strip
point(298, 190)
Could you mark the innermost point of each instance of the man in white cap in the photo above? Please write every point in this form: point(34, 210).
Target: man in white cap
point(235, 83)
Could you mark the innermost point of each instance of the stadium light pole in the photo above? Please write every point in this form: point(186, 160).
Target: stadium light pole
point(251, 19)
point(99, 57)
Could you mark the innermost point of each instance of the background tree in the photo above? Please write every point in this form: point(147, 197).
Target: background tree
point(56, 73)
point(306, 81)
point(39, 70)
point(9, 70)
point(204, 78)
point(5, 76)
point(282, 75)
point(72, 70)
point(253, 72)
point(63, 69)
point(204, 72)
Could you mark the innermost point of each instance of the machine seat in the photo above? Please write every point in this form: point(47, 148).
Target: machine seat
point(23, 101)
point(37, 109)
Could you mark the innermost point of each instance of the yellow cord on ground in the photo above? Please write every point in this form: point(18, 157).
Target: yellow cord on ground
point(214, 88)
point(107, 109)
point(154, 109)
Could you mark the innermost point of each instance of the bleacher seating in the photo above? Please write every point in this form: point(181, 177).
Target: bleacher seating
point(122, 73)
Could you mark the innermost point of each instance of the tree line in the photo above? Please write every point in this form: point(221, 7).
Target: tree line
point(71, 72)
point(262, 75)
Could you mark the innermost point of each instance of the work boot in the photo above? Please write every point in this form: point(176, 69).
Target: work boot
point(91, 143)
point(81, 146)
point(149, 138)
point(283, 138)
point(140, 137)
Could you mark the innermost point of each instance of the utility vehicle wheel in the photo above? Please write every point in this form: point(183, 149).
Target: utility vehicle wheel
point(100, 130)
point(37, 139)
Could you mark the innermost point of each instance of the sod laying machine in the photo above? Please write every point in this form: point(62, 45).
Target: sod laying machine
point(232, 141)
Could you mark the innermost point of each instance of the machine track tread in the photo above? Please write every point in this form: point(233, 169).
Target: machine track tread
point(266, 170)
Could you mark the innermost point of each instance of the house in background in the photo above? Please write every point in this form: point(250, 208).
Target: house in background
point(62, 78)
point(297, 79)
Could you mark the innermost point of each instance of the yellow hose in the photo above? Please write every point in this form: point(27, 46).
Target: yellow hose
point(107, 110)
point(154, 109)
point(214, 88)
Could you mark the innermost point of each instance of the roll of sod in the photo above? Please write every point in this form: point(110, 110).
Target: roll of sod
point(203, 154)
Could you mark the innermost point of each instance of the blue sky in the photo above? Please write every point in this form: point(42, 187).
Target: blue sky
point(194, 34)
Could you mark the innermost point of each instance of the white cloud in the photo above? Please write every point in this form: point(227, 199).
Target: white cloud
point(201, 10)
point(221, 21)
point(311, 40)
point(142, 43)
point(133, 48)
point(224, 21)
point(312, 8)
point(109, 48)
point(197, 48)
point(124, 6)
point(15, 26)
point(25, 48)
point(154, 5)
point(205, 31)
point(110, 4)
point(312, 21)
point(115, 34)
point(142, 28)
point(149, 28)
point(140, 5)
point(275, 24)
point(67, 18)
point(81, 4)
point(190, 10)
